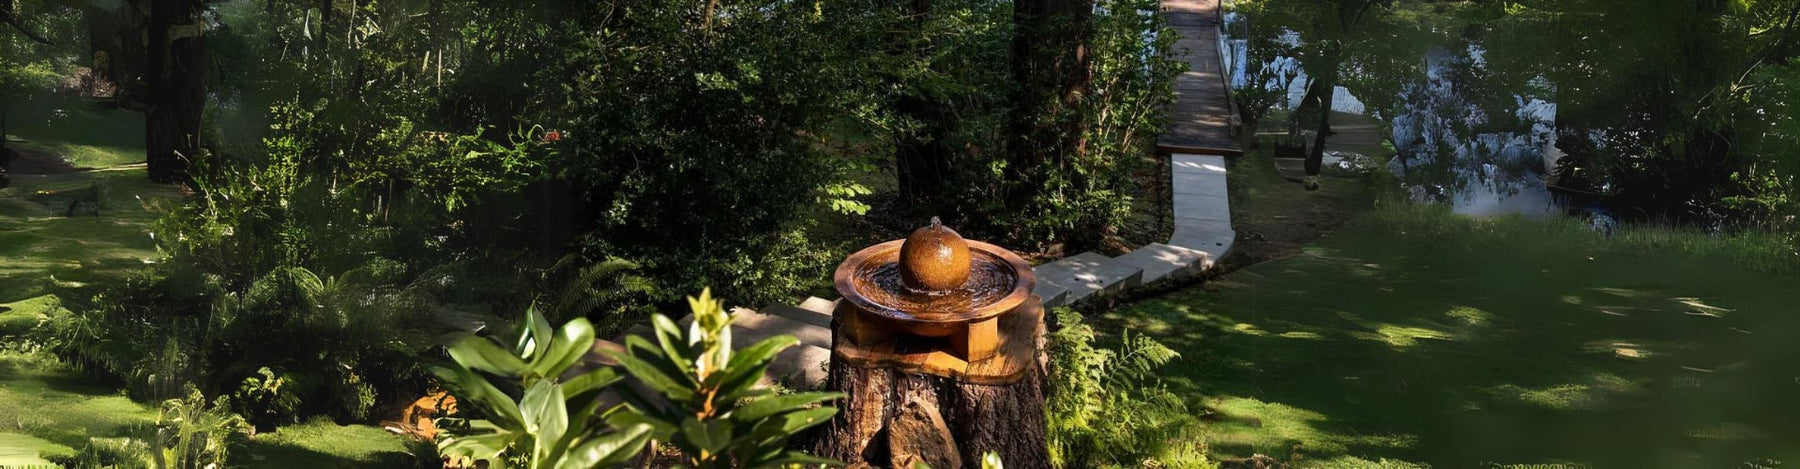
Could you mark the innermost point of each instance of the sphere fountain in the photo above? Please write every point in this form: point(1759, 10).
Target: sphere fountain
point(937, 351)
point(933, 284)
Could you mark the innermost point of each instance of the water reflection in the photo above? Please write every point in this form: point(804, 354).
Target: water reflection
point(1448, 148)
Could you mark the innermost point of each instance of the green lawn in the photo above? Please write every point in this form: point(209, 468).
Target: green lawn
point(1418, 335)
point(83, 133)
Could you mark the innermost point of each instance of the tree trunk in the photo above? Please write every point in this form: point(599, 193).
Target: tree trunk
point(1320, 96)
point(1051, 66)
point(902, 407)
point(175, 72)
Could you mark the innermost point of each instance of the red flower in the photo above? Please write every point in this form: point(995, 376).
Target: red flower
point(553, 135)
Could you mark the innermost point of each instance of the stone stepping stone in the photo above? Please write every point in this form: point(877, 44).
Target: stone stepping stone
point(1088, 274)
point(1158, 260)
point(816, 311)
point(772, 325)
point(1052, 295)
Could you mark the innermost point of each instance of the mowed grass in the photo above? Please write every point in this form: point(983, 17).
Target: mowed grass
point(82, 133)
point(1416, 335)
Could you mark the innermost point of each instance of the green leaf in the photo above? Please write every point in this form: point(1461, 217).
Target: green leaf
point(654, 378)
point(481, 354)
point(487, 446)
point(668, 338)
point(591, 381)
point(573, 341)
point(662, 429)
point(710, 437)
point(608, 450)
point(769, 406)
point(538, 331)
point(545, 413)
point(792, 423)
point(500, 406)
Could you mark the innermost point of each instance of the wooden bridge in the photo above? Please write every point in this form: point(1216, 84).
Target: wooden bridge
point(1201, 120)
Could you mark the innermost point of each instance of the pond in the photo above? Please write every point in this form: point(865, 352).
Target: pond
point(1481, 157)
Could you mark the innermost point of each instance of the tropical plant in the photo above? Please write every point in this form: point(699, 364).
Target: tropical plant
point(535, 418)
point(702, 396)
point(190, 433)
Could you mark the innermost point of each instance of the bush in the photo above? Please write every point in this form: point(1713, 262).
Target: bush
point(698, 395)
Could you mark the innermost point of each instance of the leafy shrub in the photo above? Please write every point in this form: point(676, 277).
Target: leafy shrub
point(539, 420)
point(1106, 408)
point(703, 397)
point(190, 433)
point(699, 396)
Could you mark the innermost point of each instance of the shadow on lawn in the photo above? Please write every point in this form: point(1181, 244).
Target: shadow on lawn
point(1460, 349)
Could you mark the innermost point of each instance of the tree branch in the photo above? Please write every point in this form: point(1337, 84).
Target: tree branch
point(11, 20)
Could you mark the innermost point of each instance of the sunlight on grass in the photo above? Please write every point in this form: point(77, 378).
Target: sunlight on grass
point(1598, 392)
point(321, 443)
point(1492, 340)
point(25, 451)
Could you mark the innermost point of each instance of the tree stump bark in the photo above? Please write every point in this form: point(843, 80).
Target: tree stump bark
point(911, 400)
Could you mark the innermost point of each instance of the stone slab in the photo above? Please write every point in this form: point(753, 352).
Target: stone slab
point(1193, 182)
point(800, 313)
point(1159, 260)
point(1088, 274)
point(1209, 208)
point(808, 334)
point(1052, 295)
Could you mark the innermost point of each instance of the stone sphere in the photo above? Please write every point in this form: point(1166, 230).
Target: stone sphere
point(934, 258)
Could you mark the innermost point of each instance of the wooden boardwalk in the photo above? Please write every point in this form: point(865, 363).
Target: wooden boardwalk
point(1201, 118)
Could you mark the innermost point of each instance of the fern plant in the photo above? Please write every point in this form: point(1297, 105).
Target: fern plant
point(702, 396)
point(1106, 408)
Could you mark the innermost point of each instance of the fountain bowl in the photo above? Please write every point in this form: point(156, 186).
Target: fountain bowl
point(871, 280)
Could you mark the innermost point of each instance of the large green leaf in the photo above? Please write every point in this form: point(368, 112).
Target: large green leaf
point(796, 421)
point(481, 354)
point(487, 446)
point(747, 366)
point(546, 414)
point(655, 378)
point(769, 406)
point(540, 333)
point(573, 341)
point(499, 406)
point(710, 436)
point(674, 366)
point(607, 450)
point(577, 387)
point(668, 337)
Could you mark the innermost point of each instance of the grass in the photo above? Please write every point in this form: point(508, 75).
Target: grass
point(1414, 335)
point(83, 133)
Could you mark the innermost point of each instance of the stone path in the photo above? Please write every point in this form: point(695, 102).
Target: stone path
point(1198, 138)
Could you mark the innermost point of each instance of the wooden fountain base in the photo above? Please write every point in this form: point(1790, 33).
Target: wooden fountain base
point(915, 399)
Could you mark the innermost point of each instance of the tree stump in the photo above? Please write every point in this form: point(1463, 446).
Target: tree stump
point(910, 399)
